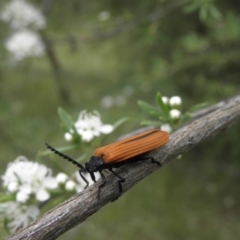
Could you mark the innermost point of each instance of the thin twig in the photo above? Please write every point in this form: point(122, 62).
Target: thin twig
point(82, 205)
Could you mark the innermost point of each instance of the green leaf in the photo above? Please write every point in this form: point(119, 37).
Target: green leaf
point(6, 198)
point(186, 116)
point(163, 119)
point(65, 119)
point(5, 224)
point(155, 113)
point(191, 7)
point(215, 12)
point(151, 123)
point(203, 14)
point(146, 107)
point(161, 104)
point(120, 122)
point(197, 107)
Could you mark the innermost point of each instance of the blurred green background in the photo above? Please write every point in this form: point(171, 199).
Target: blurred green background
point(125, 51)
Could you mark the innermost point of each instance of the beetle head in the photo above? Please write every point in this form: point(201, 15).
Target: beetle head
point(94, 164)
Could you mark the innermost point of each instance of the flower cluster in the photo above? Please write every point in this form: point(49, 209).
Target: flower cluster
point(18, 215)
point(21, 15)
point(88, 126)
point(25, 21)
point(173, 103)
point(28, 182)
point(26, 178)
point(25, 181)
point(24, 44)
point(168, 112)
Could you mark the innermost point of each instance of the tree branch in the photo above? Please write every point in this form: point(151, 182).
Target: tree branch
point(82, 205)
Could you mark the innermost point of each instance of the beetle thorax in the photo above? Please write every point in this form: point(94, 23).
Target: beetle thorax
point(94, 164)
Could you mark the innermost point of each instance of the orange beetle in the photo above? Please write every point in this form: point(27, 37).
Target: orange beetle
point(116, 154)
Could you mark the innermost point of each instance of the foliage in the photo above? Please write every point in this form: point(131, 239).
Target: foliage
point(97, 50)
point(168, 111)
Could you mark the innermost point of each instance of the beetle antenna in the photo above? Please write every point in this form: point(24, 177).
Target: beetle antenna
point(64, 156)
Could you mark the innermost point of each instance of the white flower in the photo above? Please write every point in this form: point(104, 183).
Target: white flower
point(32, 178)
point(175, 114)
point(166, 128)
point(61, 178)
point(107, 102)
point(165, 99)
point(70, 185)
point(175, 101)
point(18, 215)
point(20, 14)
point(103, 16)
point(81, 184)
point(22, 196)
point(68, 136)
point(89, 125)
point(24, 44)
point(12, 186)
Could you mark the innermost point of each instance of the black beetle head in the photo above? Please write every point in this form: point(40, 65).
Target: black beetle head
point(94, 164)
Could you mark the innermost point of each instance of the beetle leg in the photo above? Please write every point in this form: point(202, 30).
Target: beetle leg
point(92, 176)
point(152, 160)
point(155, 161)
point(83, 178)
point(120, 181)
point(103, 179)
point(102, 185)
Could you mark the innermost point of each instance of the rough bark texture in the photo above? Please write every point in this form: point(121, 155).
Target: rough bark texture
point(79, 207)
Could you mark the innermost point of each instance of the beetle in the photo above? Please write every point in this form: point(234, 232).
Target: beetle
point(119, 153)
